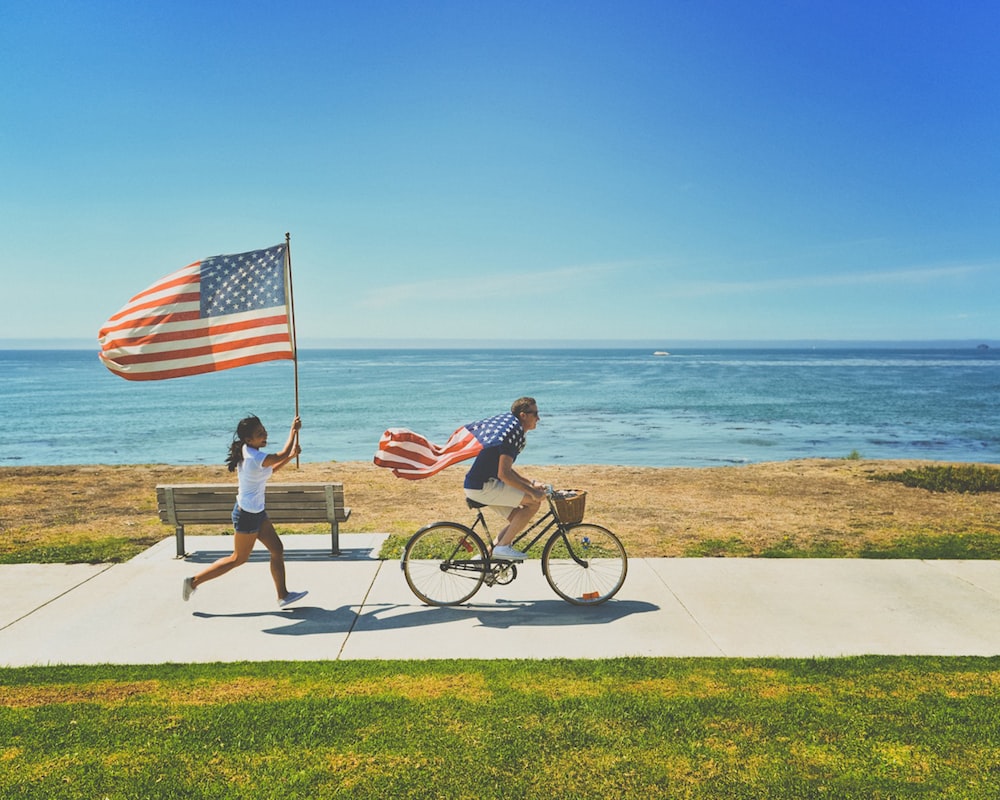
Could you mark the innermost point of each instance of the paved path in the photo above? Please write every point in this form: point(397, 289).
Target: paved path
point(359, 607)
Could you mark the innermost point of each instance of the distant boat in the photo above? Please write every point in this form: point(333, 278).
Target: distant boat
point(661, 353)
point(983, 347)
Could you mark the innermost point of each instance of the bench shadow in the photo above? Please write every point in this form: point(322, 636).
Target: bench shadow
point(260, 555)
point(313, 621)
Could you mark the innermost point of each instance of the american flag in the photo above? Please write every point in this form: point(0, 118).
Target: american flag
point(216, 314)
point(409, 455)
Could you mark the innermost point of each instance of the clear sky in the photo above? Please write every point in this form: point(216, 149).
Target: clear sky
point(666, 170)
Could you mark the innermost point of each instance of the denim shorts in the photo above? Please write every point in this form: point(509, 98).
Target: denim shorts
point(247, 521)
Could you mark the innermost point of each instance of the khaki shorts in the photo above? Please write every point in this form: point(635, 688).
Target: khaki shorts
point(497, 495)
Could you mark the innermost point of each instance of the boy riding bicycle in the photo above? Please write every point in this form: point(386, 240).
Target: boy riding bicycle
point(493, 481)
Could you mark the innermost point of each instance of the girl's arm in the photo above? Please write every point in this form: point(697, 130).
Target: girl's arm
point(289, 451)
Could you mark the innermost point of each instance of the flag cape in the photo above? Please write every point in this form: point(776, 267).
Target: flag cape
point(412, 456)
point(215, 314)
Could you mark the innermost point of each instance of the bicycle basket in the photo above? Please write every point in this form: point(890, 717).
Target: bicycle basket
point(570, 504)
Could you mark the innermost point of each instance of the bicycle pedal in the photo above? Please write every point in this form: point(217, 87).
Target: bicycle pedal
point(506, 575)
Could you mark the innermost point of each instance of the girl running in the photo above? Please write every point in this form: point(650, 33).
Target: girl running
point(253, 467)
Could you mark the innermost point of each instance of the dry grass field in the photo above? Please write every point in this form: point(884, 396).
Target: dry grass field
point(821, 507)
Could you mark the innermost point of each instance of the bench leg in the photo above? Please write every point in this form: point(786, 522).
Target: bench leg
point(179, 536)
point(334, 538)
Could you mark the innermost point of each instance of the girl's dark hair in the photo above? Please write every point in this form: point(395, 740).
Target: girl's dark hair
point(246, 428)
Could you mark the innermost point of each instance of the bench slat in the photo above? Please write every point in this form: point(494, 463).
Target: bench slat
point(206, 504)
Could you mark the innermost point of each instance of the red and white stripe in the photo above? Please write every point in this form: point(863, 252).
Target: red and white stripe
point(160, 333)
point(409, 455)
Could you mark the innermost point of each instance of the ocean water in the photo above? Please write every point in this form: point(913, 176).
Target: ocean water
point(697, 407)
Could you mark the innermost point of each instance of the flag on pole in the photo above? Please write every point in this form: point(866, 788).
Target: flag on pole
point(409, 455)
point(215, 314)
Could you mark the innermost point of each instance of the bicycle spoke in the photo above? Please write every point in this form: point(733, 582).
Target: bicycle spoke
point(585, 565)
point(444, 564)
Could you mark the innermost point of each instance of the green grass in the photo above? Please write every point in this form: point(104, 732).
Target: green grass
point(735, 547)
point(872, 727)
point(982, 546)
point(110, 550)
point(392, 547)
point(716, 547)
point(970, 478)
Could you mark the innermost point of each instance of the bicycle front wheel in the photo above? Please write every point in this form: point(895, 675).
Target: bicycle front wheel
point(584, 564)
point(444, 563)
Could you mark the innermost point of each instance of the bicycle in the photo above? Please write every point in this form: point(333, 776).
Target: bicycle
point(446, 563)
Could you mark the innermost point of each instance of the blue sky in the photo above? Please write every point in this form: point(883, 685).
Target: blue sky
point(513, 171)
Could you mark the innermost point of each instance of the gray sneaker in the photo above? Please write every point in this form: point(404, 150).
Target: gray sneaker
point(508, 553)
point(291, 597)
point(187, 589)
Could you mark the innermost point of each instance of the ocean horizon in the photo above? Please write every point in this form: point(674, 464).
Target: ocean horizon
point(697, 406)
point(430, 343)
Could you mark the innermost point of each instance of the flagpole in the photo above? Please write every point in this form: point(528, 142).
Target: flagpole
point(291, 316)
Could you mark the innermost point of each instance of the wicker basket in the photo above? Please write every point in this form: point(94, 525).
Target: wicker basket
point(570, 504)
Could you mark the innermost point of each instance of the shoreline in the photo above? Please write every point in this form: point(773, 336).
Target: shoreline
point(823, 507)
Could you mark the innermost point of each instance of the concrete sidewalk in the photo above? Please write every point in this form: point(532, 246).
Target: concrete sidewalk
point(359, 607)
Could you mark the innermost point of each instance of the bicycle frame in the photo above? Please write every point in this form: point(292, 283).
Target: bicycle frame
point(544, 524)
point(585, 564)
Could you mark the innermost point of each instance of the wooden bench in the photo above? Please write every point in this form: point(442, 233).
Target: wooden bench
point(207, 504)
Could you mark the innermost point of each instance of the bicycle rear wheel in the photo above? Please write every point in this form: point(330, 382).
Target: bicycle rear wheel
point(584, 564)
point(444, 563)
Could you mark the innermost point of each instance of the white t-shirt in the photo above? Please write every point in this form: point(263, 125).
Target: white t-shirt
point(253, 477)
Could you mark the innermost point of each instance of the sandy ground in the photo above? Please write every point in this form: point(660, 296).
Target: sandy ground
point(822, 506)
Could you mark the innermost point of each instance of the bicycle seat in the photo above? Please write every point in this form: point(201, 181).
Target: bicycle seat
point(474, 503)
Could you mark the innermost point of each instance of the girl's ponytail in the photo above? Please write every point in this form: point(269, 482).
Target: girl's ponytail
point(244, 430)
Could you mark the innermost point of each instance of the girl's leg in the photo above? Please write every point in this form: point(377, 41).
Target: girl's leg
point(242, 545)
point(270, 539)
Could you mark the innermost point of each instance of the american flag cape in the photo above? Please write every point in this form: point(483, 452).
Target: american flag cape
point(409, 455)
point(215, 314)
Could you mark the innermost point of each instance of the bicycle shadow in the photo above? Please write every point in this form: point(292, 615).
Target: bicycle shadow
point(507, 614)
point(314, 621)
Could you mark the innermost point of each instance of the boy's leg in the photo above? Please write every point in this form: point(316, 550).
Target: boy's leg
point(518, 521)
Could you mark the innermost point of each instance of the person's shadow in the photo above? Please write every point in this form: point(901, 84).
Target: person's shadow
point(313, 621)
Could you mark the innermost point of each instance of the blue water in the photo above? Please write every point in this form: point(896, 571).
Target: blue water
point(692, 408)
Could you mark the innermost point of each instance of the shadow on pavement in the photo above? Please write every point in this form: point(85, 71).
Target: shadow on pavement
point(261, 555)
point(312, 621)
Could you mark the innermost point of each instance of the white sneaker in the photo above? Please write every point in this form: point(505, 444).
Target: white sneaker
point(505, 551)
point(290, 598)
point(187, 589)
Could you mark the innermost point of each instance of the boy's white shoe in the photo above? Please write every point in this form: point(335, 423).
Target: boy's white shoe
point(508, 553)
point(187, 589)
